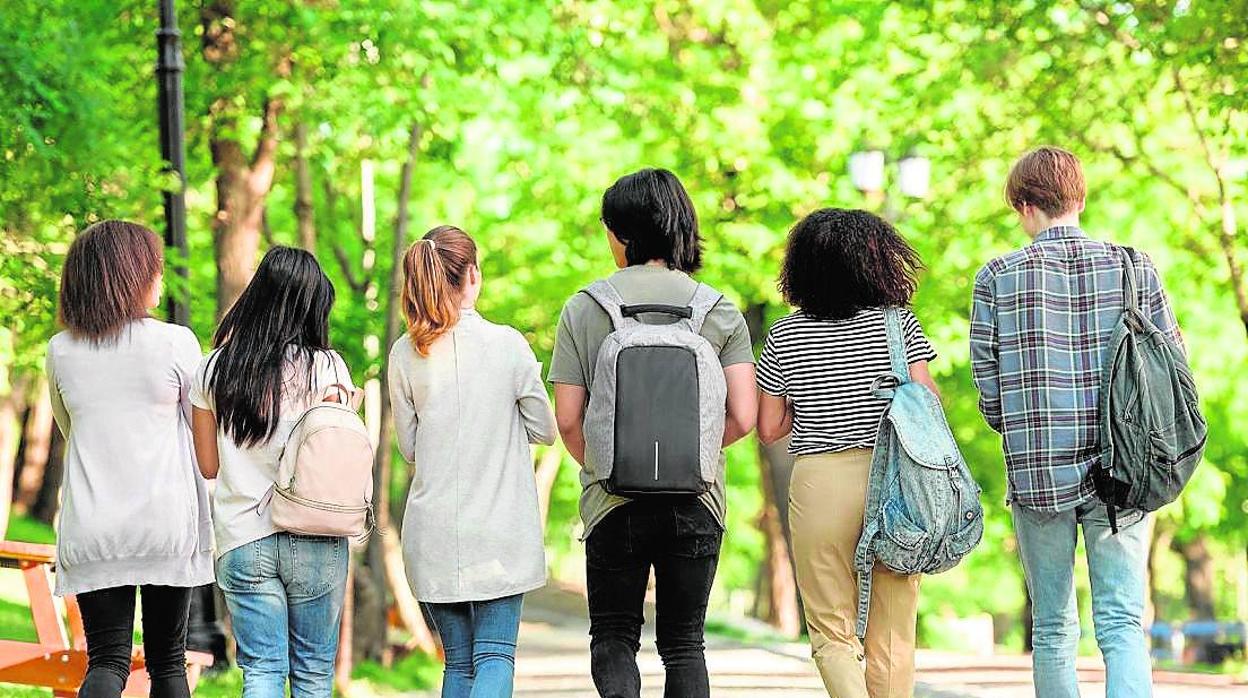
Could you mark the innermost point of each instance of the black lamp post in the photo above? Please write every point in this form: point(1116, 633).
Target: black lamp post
point(204, 630)
point(169, 68)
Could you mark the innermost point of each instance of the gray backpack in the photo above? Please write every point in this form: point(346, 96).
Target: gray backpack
point(655, 419)
point(923, 513)
point(1152, 431)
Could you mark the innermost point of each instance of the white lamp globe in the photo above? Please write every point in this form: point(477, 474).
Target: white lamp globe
point(866, 170)
point(914, 175)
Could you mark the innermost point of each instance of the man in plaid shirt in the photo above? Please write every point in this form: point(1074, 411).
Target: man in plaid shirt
point(1041, 322)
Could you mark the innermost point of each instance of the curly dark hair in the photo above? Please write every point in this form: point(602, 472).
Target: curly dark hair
point(840, 261)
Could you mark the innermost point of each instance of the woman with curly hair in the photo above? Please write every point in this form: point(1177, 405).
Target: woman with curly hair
point(842, 269)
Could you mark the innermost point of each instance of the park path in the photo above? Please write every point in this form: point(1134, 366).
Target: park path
point(553, 662)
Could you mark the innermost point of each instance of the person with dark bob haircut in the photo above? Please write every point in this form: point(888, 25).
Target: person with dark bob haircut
point(842, 269)
point(651, 216)
point(135, 515)
point(652, 231)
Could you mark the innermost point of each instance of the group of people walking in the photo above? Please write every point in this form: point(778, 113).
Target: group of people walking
point(149, 422)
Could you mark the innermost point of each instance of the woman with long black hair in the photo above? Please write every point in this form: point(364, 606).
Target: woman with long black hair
point(272, 361)
point(134, 513)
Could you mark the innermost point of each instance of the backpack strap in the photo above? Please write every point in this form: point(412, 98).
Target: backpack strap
point(609, 299)
point(703, 302)
point(896, 344)
point(1129, 284)
point(1130, 288)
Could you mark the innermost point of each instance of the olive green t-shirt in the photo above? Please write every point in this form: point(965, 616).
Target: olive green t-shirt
point(582, 327)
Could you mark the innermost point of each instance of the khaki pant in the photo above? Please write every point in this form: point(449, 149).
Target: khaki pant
point(826, 502)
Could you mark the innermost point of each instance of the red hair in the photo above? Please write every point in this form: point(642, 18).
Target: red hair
point(435, 269)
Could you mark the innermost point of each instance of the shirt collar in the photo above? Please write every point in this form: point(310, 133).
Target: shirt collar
point(468, 312)
point(1059, 232)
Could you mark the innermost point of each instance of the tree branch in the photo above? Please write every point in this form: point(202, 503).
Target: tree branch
point(1228, 229)
point(264, 160)
point(354, 281)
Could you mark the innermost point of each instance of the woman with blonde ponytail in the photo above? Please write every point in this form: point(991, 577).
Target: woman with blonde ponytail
point(468, 400)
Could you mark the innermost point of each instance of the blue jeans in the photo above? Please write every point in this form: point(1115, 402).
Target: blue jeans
point(1116, 564)
point(285, 595)
point(479, 639)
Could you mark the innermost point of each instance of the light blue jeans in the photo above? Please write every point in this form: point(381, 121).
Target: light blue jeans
point(1116, 564)
point(285, 595)
point(479, 638)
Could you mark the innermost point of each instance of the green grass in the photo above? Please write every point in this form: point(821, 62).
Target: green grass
point(28, 530)
point(9, 690)
point(749, 634)
point(1231, 667)
point(15, 622)
point(416, 671)
point(225, 684)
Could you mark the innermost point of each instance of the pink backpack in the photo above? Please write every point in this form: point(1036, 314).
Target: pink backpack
point(324, 481)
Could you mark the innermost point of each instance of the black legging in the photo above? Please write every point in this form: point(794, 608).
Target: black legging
point(108, 619)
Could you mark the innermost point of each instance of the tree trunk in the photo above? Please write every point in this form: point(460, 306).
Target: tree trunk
point(1198, 575)
point(781, 608)
point(779, 602)
point(243, 182)
point(369, 610)
point(383, 585)
point(34, 448)
point(9, 430)
point(1027, 619)
point(343, 664)
point(303, 191)
point(49, 500)
point(547, 472)
point(1162, 537)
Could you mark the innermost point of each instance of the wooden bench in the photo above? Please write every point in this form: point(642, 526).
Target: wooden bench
point(58, 660)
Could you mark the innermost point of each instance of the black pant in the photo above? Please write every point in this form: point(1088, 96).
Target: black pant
point(108, 619)
point(680, 538)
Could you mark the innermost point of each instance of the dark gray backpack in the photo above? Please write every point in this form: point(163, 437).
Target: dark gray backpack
point(655, 419)
point(923, 513)
point(1152, 431)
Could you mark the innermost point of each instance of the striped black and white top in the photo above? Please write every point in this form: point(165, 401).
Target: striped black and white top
point(826, 368)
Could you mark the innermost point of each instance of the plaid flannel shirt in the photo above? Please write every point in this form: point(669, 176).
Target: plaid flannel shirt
point(1041, 321)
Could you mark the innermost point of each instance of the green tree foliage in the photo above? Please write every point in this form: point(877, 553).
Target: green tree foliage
point(528, 110)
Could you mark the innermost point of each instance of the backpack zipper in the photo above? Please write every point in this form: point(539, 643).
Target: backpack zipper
point(286, 494)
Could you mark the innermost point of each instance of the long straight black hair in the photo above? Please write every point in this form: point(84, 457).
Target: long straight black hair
point(282, 315)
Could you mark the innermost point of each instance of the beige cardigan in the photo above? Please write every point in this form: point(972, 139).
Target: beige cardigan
point(465, 416)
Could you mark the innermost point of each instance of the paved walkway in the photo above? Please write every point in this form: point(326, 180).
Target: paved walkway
point(553, 662)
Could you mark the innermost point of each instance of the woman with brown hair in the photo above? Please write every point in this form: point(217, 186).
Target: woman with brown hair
point(134, 510)
point(468, 399)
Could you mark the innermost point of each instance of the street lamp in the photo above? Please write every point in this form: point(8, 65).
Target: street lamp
point(169, 68)
point(867, 172)
point(914, 175)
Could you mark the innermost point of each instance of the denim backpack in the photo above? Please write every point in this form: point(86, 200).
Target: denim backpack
point(923, 513)
point(1152, 431)
point(654, 424)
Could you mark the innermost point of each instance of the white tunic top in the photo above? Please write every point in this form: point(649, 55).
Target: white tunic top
point(134, 508)
point(247, 473)
point(465, 416)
